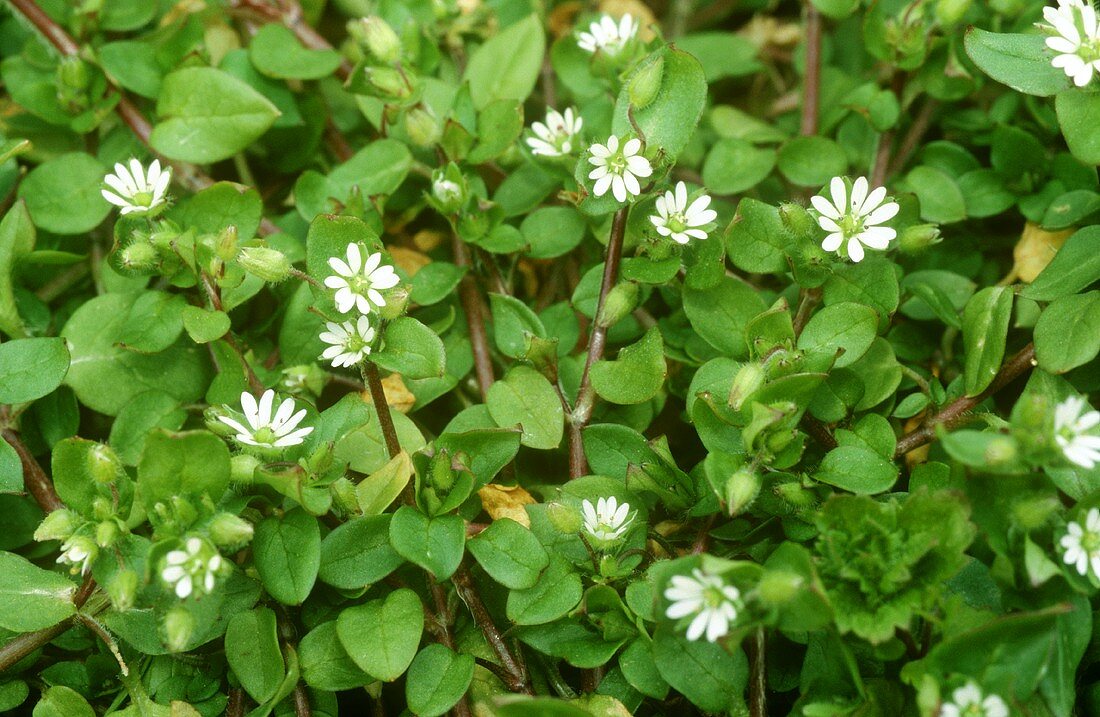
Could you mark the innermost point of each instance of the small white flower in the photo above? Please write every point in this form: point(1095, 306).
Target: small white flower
point(606, 36)
point(265, 429)
point(675, 219)
point(1082, 544)
point(193, 570)
point(854, 219)
point(709, 598)
point(446, 191)
point(618, 170)
point(1071, 427)
point(607, 521)
point(136, 191)
point(967, 701)
point(1075, 39)
point(555, 138)
point(357, 282)
point(350, 341)
point(78, 551)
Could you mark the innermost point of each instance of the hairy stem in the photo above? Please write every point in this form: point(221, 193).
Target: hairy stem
point(758, 678)
point(812, 87)
point(385, 419)
point(35, 479)
point(254, 383)
point(471, 306)
point(464, 584)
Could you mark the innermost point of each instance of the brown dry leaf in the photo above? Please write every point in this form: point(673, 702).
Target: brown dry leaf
point(410, 260)
point(506, 501)
point(1035, 250)
point(764, 31)
point(428, 239)
point(562, 17)
point(637, 9)
point(397, 396)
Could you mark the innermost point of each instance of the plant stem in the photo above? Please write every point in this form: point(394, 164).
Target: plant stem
point(758, 678)
point(812, 80)
point(385, 419)
point(597, 340)
point(958, 411)
point(254, 383)
point(465, 586)
point(913, 137)
point(19, 647)
point(462, 707)
point(471, 306)
point(35, 479)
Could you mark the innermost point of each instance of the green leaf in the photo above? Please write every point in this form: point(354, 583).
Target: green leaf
point(551, 232)
point(848, 326)
point(277, 53)
point(508, 64)
point(499, 125)
point(325, 663)
point(207, 115)
point(557, 591)
point(668, 120)
point(11, 470)
point(735, 165)
point(812, 161)
point(16, 241)
point(382, 636)
point(712, 678)
point(513, 322)
point(252, 651)
point(63, 194)
point(203, 325)
point(985, 331)
point(190, 464)
point(437, 680)
point(62, 701)
point(1075, 266)
point(636, 375)
point(856, 469)
point(719, 314)
point(435, 544)
point(756, 240)
point(375, 492)
point(287, 553)
point(640, 670)
point(137, 419)
point(525, 398)
point(1020, 61)
point(411, 349)
point(358, 553)
point(31, 368)
point(721, 54)
point(378, 168)
point(221, 205)
point(941, 200)
point(32, 598)
point(1067, 334)
point(153, 323)
point(510, 554)
point(1078, 115)
point(435, 282)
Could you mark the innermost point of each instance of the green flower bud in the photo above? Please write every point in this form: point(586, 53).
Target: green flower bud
point(794, 495)
point(749, 379)
point(140, 256)
point(564, 519)
point(379, 39)
point(242, 468)
point(741, 490)
point(58, 525)
point(449, 189)
point(1000, 450)
point(103, 464)
point(72, 74)
point(102, 508)
point(440, 473)
point(304, 378)
point(620, 301)
point(423, 128)
point(106, 533)
point(230, 531)
point(387, 82)
point(225, 245)
point(919, 237)
point(609, 566)
point(646, 83)
point(322, 458)
point(949, 12)
point(797, 219)
point(210, 418)
point(397, 301)
point(271, 265)
point(178, 626)
point(122, 589)
point(344, 497)
point(778, 587)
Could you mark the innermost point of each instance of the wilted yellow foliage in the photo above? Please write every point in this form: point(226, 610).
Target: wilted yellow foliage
point(1035, 250)
point(410, 260)
point(397, 395)
point(503, 501)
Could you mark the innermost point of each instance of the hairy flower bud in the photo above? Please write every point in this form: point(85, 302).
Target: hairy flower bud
point(397, 301)
point(646, 82)
point(225, 245)
point(566, 520)
point(103, 464)
point(72, 73)
point(106, 533)
point(268, 264)
point(58, 525)
point(919, 237)
point(749, 379)
point(242, 468)
point(741, 490)
point(139, 256)
point(620, 301)
point(387, 82)
point(178, 626)
point(422, 126)
point(230, 531)
point(797, 220)
point(379, 39)
point(122, 589)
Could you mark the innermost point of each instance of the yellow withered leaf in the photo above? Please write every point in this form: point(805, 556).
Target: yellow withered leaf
point(397, 395)
point(506, 501)
point(1035, 250)
point(410, 260)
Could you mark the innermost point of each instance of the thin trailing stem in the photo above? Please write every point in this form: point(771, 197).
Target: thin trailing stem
point(475, 321)
point(812, 87)
point(597, 341)
point(385, 419)
point(758, 678)
point(254, 383)
point(516, 669)
point(35, 479)
point(958, 411)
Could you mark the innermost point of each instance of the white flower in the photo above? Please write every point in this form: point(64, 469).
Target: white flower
point(555, 137)
point(446, 191)
point(605, 36)
point(1082, 544)
point(1071, 428)
point(192, 570)
point(1075, 39)
point(607, 521)
point(78, 551)
point(854, 219)
point(350, 341)
point(265, 429)
point(967, 701)
point(618, 169)
point(135, 190)
point(357, 282)
point(674, 218)
point(709, 598)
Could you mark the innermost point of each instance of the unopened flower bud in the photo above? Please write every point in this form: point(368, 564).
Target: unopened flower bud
point(620, 301)
point(139, 256)
point(794, 495)
point(106, 533)
point(230, 531)
point(58, 525)
point(646, 82)
point(377, 37)
point(210, 417)
point(397, 301)
point(303, 378)
point(919, 237)
point(178, 626)
point(72, 73)
point(344, 497)
point(268, 264)
point(796, 219)
point(749, 379)
point(449, 193)
point(741, 490)
point(387, 82)
point(440, 473)
point(102, 508)
point(1000, 450)
point(103, 464)
point(423, 128)
point(778, 587)
point(225, 246)
point(564, 519)
point(122, 589)
point(242, 468)
point(949, 12)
